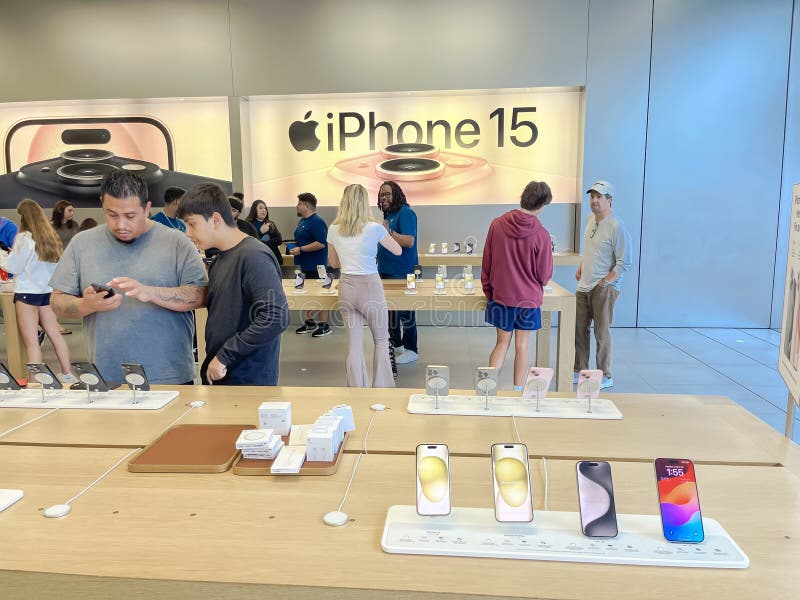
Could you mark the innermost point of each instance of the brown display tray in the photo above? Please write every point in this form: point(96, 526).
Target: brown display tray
point(190, 449)
point(252, 466)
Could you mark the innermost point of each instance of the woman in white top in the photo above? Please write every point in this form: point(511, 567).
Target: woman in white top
point(32, 260)
point(353, 240)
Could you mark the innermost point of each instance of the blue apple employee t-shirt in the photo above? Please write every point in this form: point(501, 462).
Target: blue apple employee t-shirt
point(311, 229)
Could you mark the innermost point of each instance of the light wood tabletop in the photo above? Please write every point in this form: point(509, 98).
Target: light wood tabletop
point(460, 259)
point(556, 300)
point(710, 429)
point(227, 530)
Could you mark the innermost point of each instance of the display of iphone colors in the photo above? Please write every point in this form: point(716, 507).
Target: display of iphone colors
point(512, 483)
point(485, 381)
point(42, 373)
point(678, 500)
point(89, 376)
point(437, 380)
point(433, 480)
point(135, 376)
point(596, 499)
point(589, 383)
point(411, 281)
point(7, 380)
point(537, 382)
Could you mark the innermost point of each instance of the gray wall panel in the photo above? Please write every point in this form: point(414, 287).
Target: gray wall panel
point(80, 49)
point(713, 162)
point(791, 170)
point(616, 120)
point(307, 46)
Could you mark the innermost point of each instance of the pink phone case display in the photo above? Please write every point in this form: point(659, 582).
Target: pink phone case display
point(589, 384)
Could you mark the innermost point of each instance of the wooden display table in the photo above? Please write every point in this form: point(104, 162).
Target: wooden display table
point(137, 534)
point(460, 259)
point(705, 428)
point(14, 349)
point(557, 300)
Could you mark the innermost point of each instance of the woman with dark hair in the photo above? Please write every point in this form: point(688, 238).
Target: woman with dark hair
point(63, 222)
point(32, 260)
point(267, 230)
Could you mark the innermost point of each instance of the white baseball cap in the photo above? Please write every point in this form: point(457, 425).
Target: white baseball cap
point(602, 187)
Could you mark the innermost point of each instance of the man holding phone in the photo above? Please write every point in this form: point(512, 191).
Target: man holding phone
point(247, 309)
point(159, 278)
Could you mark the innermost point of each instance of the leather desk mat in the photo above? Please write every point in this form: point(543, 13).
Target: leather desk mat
point(190, 449)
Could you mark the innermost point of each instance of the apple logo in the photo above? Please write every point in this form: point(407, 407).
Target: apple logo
point(303, 134)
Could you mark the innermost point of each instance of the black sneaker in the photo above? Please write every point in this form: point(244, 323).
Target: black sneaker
point(308, 327)
point(40, 335)
point(323, 329)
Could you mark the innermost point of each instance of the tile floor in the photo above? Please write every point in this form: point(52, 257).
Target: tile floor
point(737, 363)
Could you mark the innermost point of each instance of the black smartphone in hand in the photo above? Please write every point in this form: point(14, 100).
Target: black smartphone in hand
point(103, 288)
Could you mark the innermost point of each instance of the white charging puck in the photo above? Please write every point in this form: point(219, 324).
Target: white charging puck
point(197, 403)
point(379, 407)
point(335, 518)
point(57, 511)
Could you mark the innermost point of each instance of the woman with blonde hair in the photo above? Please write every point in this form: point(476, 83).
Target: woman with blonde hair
point(353, 240)
point(32, 260)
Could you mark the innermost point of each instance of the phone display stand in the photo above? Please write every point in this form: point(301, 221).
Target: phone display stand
point(113, 400)
point(554, 536)
point(504, 406)
point(252, 466)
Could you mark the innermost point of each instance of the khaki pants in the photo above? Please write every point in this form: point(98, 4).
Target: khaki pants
point(361, 300)
point(596, 305)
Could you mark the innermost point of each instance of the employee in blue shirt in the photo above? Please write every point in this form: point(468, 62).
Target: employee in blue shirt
point(311, 250)
point(168, 217)
point(401, 223)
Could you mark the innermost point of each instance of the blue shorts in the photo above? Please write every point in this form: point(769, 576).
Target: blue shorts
point(33, 299)
point(509, 318)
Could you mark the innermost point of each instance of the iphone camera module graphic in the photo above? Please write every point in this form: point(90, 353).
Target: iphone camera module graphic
point(420, 167)
point(54, 159)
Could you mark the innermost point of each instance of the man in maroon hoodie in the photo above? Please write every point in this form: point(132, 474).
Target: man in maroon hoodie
point(517, 264)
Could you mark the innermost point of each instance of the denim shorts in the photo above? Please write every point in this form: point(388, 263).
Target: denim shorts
point(33, 299)
point(509, 318)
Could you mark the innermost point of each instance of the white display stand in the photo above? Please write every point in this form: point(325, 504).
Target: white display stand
point(502, 406)
point(112, 400)
point(554, 536)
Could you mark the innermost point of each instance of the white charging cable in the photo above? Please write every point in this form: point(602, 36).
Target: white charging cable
point(337, 518)
point(62, 510)
point(544, 463)
point(26, 423)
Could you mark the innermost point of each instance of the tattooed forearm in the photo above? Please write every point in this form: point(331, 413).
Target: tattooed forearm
point(185, 297)
point(65, 305)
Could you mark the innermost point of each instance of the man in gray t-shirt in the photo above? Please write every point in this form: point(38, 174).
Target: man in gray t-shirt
point(606, 256)
point(158, 276)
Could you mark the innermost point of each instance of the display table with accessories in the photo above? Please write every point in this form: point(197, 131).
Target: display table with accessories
point(214, 535)
point(460, 259)
point(556, 300)
point(708, 429)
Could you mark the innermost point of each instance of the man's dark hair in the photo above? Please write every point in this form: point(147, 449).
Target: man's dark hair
point(398, 196)
point(124, 184)
point(205, 199)
point(239, 195)
point(173, 194)
point(308, 198)
point(536, 195)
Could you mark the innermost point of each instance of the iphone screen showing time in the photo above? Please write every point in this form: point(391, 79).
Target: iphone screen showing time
point(678, 500)
point(433, 480)
point(512, 483)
